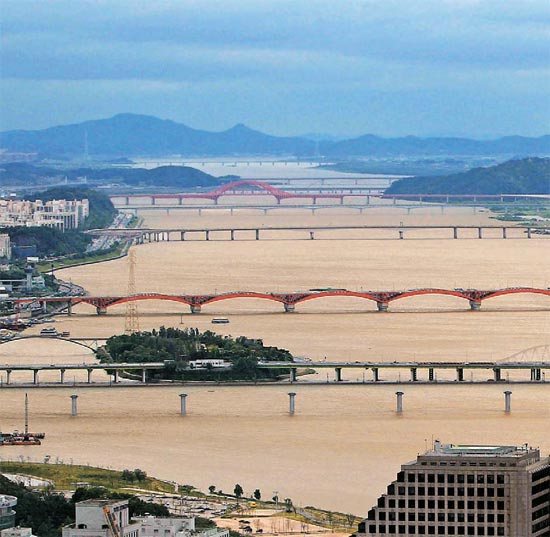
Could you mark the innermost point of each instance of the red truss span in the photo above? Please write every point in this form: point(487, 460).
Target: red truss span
point(289, 300)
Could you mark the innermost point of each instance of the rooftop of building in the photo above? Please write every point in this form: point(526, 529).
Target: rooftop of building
point(99, 502)
point(477, 450)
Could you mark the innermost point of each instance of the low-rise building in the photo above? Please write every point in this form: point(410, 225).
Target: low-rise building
point(102, 518)
point(17, 532)
point(5, 246)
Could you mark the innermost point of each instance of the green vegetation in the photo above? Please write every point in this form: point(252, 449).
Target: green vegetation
point(525, 176)
point(104, 255)
point(178, 347)
point(64, 476)
point(49, 241)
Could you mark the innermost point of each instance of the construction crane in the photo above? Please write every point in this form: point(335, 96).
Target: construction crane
point(111, 521)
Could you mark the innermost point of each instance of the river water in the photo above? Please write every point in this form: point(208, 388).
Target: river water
point(345, 443)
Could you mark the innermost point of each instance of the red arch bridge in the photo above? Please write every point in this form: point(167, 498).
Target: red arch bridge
point(250, 188)
point(289, 300)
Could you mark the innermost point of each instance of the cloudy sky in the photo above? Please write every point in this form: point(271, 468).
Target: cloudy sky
point(477, 68)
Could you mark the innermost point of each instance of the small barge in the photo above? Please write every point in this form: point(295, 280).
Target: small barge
point(25, 438)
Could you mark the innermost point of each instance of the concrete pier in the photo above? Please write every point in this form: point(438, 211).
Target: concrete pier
point(183, 409)
point(289, 308)
point(195, 308)
point(291, 396)
point(257, 234)
point(90, 376)
point(503, 232)
point(35, 376)
point(460, 374)
point(101, 311)
point(507, 401)
point(414, 376)
point(232, 234)
point(431, 376)
point(375, 374)
point(115, 376)
point(475, 305)
point(479, 233)
point(338, 371)
point(382, 306)
point(74, 397)
point(8, 375)
point(399, 402)
point(293, 375)
point(144, 376)
point(455, 233)
point(401, 233)
point(497, 374)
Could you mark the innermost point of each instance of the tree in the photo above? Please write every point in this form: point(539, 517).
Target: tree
point(288, 505)
point(212, 489)
point(257, 494)
point(238, 491)
point(141, 475)
point(127, 475)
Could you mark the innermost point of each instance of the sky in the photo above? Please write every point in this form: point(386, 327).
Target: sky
point(476, 68)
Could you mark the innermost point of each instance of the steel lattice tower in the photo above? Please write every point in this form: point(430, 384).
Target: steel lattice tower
point(131, 323)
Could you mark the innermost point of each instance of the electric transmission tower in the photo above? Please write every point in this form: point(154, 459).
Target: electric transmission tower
point(131, 323)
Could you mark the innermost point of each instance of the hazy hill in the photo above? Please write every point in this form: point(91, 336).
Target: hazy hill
point(525, 176)
point(176, 176)
point(132, 134)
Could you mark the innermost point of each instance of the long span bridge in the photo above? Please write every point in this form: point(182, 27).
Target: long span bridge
point(536, 369)
point(288, 300)
point(254, 188)
point(231, 233)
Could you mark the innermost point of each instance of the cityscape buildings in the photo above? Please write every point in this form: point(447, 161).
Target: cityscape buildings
point(466, 490)
point(60, 214)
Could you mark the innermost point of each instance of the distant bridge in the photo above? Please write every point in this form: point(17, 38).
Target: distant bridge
point(289, 300)
point(88, 343)
point(254, 188)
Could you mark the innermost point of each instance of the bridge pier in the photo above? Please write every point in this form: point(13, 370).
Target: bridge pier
point(90, 376)
point(207, 235)
point(44, 306)
point(431, 376)
point(195, 308)
point(459, 374)
point(455, 232)
point(289, 308)
point(61, 376)
point(414, 376)
point(375, 374)
point(312, 235)
point(475, 305)
point(291, 396)
point(503, 232)
point(74, 397)
point(528, 232)
point(382, 306)
point(401, 232)
point(8, 375)
point(35, 376)
point(232, 234)
point(293, 375)
point(183, 409)
point(101, 310)
point(144, 376)
point(257, 234)
point(182, 235)
point(399, 402)
point(535, 374)
point(69, 308)
point(338, 372)
point(115, 374)
point(497, 377)
point(507, 401)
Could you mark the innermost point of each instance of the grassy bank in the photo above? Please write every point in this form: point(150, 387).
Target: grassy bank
point(65, 263)
point(65, 476)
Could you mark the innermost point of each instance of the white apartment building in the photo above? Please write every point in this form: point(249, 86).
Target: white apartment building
point(61, 214)
point(5, 246)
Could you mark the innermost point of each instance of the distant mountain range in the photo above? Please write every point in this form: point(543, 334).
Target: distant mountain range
point(132, 134)
point(524, 176)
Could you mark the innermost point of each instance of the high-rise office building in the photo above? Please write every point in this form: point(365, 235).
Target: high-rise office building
point(466, 490)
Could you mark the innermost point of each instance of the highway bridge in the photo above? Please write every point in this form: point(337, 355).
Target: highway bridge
point(142, 235)
point(536, 369)
point(289, 300)
point(253, 188)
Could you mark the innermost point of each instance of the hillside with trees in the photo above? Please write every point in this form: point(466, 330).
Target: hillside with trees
point(22, 173)
point(179, 347)
point(524, 176)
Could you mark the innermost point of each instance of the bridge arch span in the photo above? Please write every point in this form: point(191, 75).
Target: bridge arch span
point(244, 294)
point(278, 193)
point(148, 296)
point(336, 293)
point(429, 291)
point(47, 338)
point(517, 290)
